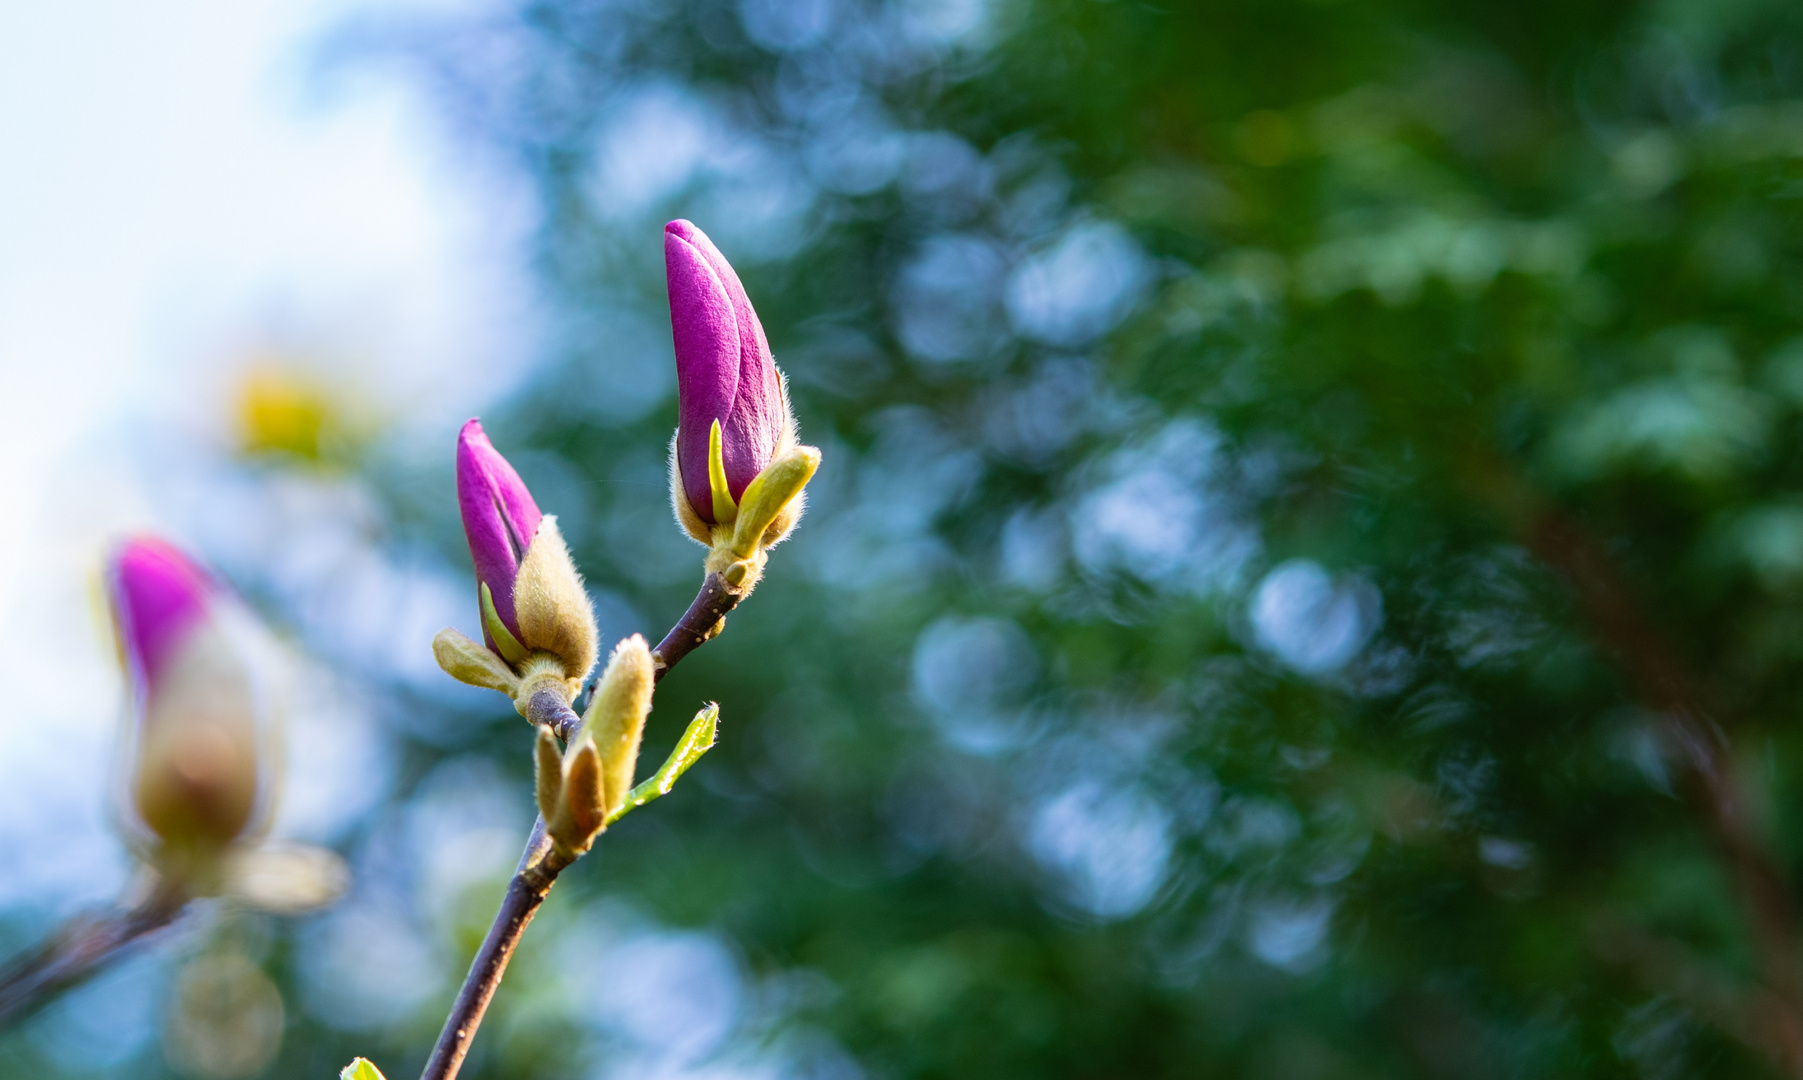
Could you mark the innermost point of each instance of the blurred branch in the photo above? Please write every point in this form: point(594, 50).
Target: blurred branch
point(1670, 968)
point(81, 947)
point(540, 863)
point(1691, 735)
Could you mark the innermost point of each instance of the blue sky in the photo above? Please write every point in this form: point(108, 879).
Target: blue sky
point(176, 199)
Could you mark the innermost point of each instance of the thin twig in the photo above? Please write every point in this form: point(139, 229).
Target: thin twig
point(540, 863)
point(81, 948)
point(705, 618)
point(539, 866)
point(547, 708)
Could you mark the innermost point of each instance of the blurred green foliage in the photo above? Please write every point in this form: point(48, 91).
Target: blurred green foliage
point(1180, 670)
point(1174, 676)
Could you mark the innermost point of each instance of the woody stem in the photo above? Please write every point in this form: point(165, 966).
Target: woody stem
point(704, 619)
point(540, 863)
point(81, 948)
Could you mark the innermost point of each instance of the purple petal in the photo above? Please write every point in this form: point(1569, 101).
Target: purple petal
point(159, 595)
point(499, 517)
point(724, 370)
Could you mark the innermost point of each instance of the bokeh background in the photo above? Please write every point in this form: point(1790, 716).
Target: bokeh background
point(1177, 674)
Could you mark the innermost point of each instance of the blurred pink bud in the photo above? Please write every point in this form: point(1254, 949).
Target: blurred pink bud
point(195, 781)
point(159, 596)
point(499, 519)
point(724, 370)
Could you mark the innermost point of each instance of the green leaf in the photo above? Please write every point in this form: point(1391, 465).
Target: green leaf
point(509, 645)
point(696, 741)
point(361, 1069)
point(726, 511)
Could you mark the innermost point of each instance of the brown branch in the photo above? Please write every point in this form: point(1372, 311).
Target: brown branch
point(703, 621)
point(81, 948)
point(538, 868)
point(548, 708)
point(540, 863)
point(705, 618)
point(1662, 682)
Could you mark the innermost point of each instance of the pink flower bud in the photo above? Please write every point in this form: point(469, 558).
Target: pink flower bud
point(724, 370)
point(158, 597)
point(499, 519)
point(195, 780)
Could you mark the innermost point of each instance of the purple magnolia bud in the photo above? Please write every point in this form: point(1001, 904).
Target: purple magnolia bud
point(159, 597)
point(724, 370)
point(196, 764)
point(499, 519)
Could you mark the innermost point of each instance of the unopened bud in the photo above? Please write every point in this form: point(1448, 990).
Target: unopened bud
point(616, 715)
point(571, 795)
point(537, 623)
point(500, 520)
point(733, 414)
point(736, 471)
point(195, 780)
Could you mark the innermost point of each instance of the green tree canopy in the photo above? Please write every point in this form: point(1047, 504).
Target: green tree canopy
point(1306, 578)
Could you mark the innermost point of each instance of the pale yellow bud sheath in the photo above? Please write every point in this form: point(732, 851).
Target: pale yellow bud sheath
point(773, 492)
point(552, 606)
point(473, 662)
point(616, 716)
point(570, 794)
point(556, 645)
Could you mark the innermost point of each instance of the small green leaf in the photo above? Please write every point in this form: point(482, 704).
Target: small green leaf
point(725, 509)
point(696, 741)
point(508, 645)
point(361, 1069)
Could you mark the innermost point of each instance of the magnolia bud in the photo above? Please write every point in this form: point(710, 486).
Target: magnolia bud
point(571, 792)
point(734, 420)
point(536, 616)
point(500, 520)
point(577, 789)
point(724, 374)
point(195, 780)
